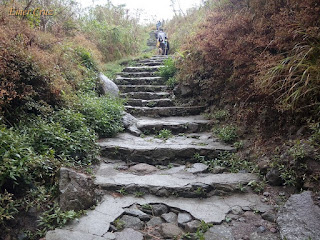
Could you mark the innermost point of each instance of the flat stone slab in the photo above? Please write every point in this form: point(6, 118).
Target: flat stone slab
point(143, 68)
point(145, 95)
point(164, 111)
point(151, 150)
point(176, 181)
point(212, 210)
point(165, 102)
point(137, 74)
point(142, 80)
point(142, 88)
point(187, 124)
point(299, 218)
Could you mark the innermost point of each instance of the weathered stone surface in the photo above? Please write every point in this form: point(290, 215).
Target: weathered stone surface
point(151, 150)
point(170, 230)
point(237, 210)
point(186, 124)
point(60, 234)
point(129, 234)
point(108, 87)
point(299, 218)
point(143, 168)
point(145, 95)
point(192, 226)
point(154, 221)
point(159, 209)
point(144, 88)
point(164, 111)
point(182, 90)
point(184, 218)
point(130, 124)
point(140, 80)
point(264, 236)
point(197, 168)
point(135, 213)
point(77, 190)
point(269, 216)
point(219, 232)
point(132, 222)
point(274, 178)
point(170, 217)
point(175, 180)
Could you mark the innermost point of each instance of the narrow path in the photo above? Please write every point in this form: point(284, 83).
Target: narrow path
point(153, 186)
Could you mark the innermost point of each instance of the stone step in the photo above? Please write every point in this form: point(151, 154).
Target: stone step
point(96, 223)
point(166, 102)
point(174, 124)
point(145, 95)
point(179, 181)
point(139, 81)
point(164, 111)
point(154, 151)
point(149, 63)
point(137, 74)
point(143, 68)
point(142, 88)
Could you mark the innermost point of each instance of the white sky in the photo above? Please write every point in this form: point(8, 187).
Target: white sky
point(152, 10)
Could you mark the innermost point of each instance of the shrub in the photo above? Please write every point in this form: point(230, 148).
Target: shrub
point(227, 134)
point(171, 82)
point(103, 114)
point(169, 69)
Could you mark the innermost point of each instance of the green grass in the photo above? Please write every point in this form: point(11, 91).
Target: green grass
point(164, 134)
point(228, 134)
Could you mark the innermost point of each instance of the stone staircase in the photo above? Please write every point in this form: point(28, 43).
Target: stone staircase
point(154, 186)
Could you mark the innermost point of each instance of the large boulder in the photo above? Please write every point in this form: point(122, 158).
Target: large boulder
point(299, 218)
point(108, 87)
point(77, 190)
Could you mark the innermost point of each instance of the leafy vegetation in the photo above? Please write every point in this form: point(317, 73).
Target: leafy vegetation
point(227, 133)
point(164, 134)
point(51, 113)
point(168, 70)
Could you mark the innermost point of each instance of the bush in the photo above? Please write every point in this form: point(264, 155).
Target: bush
point(103, 114)
point(169, 69)
point(227, 134)
point(68, 137)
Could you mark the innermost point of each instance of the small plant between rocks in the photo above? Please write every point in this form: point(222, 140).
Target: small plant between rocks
point(164, 134)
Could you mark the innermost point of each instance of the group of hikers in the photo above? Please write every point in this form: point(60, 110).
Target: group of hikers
point(162, 40)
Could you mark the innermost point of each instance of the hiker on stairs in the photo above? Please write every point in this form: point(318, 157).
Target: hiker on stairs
point(163, 42)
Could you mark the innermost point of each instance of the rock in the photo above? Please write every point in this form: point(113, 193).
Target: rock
point(129, 234)
point(236, 210)
point(261, 229)
point(299, 218)
point(77, 190)
point(264, 236)
point(143, 168)
point(170, 230)
point(136, 213)
point(183, 218)
point(274, 178)
point(130, 124)
point(132, 222)
point(162, 193)
point(197, 168)
point(159, 209)
point(269, 216)
point(108, 87)
point(109, 236)
point(192, 226)
point(155, 221)
point(218, 169)
point(219, 232)
point(273, 230)
point(246, 208)
point(170, 217)
point(266, 194)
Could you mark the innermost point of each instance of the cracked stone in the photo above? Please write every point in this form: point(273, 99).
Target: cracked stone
point(183, 218)
point(170, 217)
point(132, 222)
point(219, 232)
point(136, 213)
point(129, 234)
point(155, 221)
point(192, 226)
point(236, 210)
point(170, 230)
point(269, 216)
point(159, 209)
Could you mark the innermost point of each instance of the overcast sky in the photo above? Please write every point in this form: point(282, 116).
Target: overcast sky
point(151, 9)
